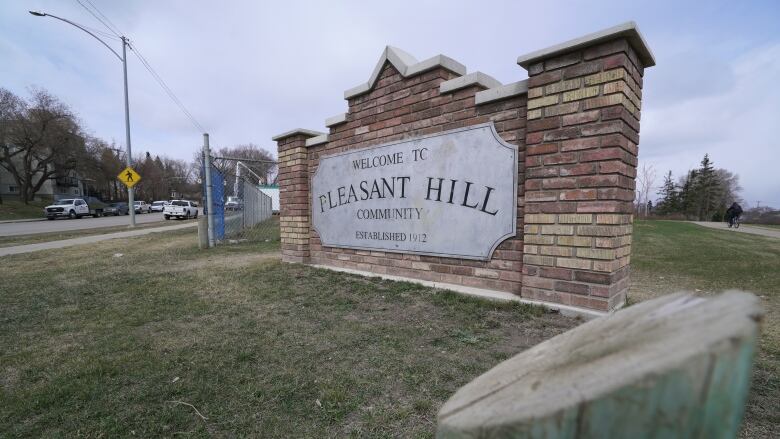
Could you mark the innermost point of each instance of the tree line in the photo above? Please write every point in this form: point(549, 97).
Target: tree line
point(702, 194)
point(42, 140)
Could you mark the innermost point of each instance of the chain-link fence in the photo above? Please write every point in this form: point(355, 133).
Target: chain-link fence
point(243, 210)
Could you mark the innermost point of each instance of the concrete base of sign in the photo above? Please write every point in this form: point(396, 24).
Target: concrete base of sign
point(569, 311)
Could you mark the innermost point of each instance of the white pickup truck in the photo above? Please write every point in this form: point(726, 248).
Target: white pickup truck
point(180, 209)
point(72, 208)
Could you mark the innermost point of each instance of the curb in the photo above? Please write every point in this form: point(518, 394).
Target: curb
point(22, 220)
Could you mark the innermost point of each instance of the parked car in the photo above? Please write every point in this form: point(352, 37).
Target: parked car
point(141, 207)
point(157, 206)
point(96, 206)
point(71, 208)
point(181, 209)
point(234, 203)
point(116, 209)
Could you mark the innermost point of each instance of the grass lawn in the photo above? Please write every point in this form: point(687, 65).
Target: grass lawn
point(670, 256)
point(170, 340)
point(9, 241)
point(12, 209)
point(92, 345)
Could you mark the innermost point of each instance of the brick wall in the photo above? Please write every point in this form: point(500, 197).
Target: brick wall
point(583, 131)
point(576, 129)
point(294, 200)
point(399, 108)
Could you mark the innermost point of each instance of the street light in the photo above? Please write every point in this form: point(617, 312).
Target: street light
point(123, 59)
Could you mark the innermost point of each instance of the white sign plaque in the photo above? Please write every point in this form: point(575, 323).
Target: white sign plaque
point(450, 194)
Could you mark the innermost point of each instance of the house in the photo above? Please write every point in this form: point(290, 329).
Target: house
point(54, 188)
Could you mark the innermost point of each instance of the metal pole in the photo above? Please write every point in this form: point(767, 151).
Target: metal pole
point(238, 176)
point(130, 191)
point(209, 193)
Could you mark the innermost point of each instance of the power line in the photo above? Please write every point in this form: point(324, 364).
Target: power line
point(165, 87)
point(102, 33)
point(98, 18)
point(95, 12)
point(115, 28)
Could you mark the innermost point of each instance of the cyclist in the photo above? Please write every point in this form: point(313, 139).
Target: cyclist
point(733, 213)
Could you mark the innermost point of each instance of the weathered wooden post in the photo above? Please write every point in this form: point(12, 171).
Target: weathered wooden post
point(674, 367)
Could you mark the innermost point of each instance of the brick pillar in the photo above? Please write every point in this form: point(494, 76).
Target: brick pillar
point(294, 199)
point(584, 100)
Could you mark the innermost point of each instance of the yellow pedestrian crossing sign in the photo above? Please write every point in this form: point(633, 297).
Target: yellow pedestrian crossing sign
point(129, 177)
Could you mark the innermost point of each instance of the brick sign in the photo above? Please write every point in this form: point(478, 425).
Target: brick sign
point(442, 198)
point(451, 194)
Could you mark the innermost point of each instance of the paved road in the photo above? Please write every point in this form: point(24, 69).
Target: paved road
point(742, 229)
point(5, 251)
point(63, 224)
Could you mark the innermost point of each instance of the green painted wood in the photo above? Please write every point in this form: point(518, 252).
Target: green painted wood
point(673, 367)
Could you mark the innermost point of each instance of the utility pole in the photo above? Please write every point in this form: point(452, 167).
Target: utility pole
point(130, 191)
point(209, 192)
point(123, 59)
point(238, 177)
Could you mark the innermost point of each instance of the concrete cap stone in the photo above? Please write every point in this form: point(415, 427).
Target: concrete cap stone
point(407, 65)
point(319, 140)
point(295, 132)
point(501, 92)
point(475, 78)
point(628, 30)
point(335, 120)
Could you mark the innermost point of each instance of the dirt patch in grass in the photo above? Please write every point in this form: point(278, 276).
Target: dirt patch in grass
point(259, 347)
point(234, 261)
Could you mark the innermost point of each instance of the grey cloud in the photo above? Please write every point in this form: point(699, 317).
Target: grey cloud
point(249, 70)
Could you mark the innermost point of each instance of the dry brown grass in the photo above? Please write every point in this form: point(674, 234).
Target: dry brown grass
point(96, 345)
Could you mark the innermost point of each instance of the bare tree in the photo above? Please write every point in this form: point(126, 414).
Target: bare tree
point(100, 167)
point(40, 140)
point(257, 159)
point(730, 187)
point(645, 178)
point(163, 176)
point(9, 105)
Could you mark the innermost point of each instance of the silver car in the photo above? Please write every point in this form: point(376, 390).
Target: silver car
point(158, 206)
point(141, 207)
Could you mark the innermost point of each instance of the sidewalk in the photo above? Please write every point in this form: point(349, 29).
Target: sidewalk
point(28, 248)
point(742, 229)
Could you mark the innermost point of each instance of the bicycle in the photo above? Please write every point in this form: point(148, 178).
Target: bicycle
point(733, 222)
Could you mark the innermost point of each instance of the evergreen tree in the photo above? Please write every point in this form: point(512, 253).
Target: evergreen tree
point(702, 194)
point(687, 199)
point(707, 189)
point(670, 196)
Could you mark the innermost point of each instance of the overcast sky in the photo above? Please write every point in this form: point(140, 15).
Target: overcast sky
point(248, 70)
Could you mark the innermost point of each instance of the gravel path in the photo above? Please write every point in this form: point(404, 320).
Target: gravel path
point(5, 251)
point(742, 229)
